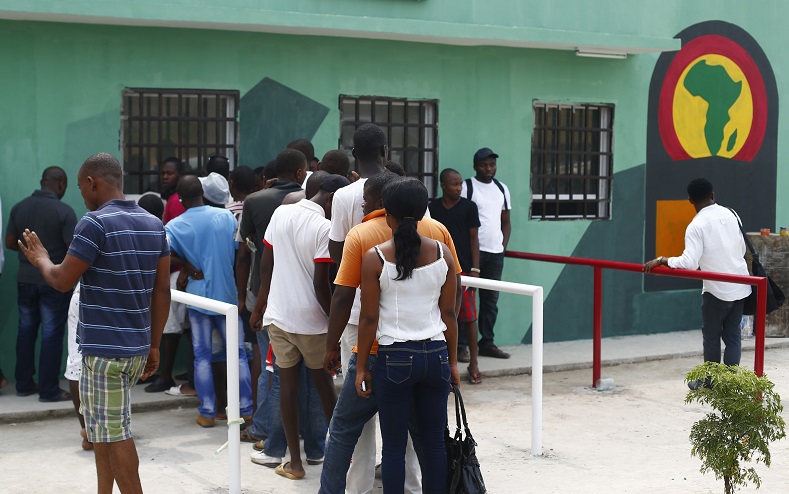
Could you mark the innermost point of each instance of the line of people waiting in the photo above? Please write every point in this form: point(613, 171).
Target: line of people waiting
point(388, 315)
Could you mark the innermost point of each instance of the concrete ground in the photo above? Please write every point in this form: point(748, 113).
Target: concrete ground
point(632, 439)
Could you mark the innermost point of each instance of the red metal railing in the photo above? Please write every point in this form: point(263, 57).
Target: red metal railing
point(598, 265)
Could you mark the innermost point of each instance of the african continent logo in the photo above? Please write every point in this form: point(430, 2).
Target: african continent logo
point(713, 102)
point(712, 107)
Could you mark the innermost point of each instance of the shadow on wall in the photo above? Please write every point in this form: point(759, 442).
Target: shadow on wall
point(626, 308)
point(272, 115)
point(83, 138)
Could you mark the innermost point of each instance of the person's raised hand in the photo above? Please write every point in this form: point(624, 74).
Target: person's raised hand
point(33, 249)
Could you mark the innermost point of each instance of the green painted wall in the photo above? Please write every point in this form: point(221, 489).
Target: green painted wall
point(62, 95)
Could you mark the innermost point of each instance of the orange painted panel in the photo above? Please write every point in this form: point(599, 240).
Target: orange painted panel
point(673, 217)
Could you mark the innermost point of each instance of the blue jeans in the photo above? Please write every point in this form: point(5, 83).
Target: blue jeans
point(490, 266)
point(312, 422)
point(261, 424)
point(350, 414)
point(721, 320)
point(40, 305)
point(413, 376)
point(202, 327)
point(267, 423)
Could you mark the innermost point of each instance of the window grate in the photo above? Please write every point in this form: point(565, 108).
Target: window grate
point(189, 124)
point(411, 128)
point(572, 161)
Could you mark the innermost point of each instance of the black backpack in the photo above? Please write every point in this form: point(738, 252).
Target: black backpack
point(470, 191)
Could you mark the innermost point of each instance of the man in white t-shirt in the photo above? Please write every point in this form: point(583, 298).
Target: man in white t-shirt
point(295, 292)
point(713, 242)
point(494, 204)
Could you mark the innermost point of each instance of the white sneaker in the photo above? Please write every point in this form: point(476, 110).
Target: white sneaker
point(262, 458)
point(314, 461)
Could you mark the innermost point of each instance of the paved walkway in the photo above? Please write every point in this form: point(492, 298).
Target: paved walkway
point(562, 356)
point(631, 439)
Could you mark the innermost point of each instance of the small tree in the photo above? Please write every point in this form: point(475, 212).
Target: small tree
point(747, 417)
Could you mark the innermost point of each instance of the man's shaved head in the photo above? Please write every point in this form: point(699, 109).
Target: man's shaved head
point(189, 187)
point(314, 183)
point(53, 174)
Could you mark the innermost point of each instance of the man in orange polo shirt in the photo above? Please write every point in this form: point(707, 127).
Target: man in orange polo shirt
point(352, 412)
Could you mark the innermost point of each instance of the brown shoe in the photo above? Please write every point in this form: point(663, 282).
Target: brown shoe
point(463, 355)
point(247, 437)
point(205, 421)
point(493, 351)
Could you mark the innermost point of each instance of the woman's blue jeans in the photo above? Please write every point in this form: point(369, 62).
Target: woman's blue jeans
point(413, 377)
point(202, 327)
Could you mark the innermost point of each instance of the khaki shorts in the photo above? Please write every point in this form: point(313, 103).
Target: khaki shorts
point(290, 348)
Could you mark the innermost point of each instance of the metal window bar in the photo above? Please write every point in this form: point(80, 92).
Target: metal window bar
point(150, 117)
point(571, 161)
point(418, 153)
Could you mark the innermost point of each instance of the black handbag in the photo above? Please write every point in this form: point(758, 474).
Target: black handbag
point(775, 296)
point(464, 474)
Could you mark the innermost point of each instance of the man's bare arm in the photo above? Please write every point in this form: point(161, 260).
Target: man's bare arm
point(160, 309)
point(341, 305)
point(335, 251)
point(62, 277)
point(266, 270)
point(506, 227)
point(322, 285)
point(11, 241)
point(243, 263)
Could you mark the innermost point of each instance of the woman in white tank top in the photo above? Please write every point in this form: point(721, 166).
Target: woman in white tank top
point(408, 303)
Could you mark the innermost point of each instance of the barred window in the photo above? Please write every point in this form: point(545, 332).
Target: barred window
point(188, 124)
point(411, 128)
point(572, 161)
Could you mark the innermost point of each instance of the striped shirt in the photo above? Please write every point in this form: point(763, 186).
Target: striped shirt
point(122, 243)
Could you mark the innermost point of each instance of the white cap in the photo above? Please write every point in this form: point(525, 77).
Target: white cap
point(216, 188)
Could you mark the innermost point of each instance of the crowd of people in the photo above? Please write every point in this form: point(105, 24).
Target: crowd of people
point(332, 270)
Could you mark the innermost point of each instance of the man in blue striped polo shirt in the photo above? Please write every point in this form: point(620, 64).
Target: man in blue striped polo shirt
point(120, 252)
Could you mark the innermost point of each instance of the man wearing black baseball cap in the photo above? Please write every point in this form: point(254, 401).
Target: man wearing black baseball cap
point(494, 204)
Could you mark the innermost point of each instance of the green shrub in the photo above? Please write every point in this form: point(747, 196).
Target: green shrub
point(746, 417)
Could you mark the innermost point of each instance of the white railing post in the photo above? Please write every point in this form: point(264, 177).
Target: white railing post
point(536, 292)
point(230, 312)
point(233, 413)
point(536, 372)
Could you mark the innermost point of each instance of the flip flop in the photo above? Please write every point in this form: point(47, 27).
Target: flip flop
point(280, 470)
point(474, 377)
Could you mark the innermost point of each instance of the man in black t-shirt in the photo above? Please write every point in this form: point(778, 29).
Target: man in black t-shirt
point(461, 218)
